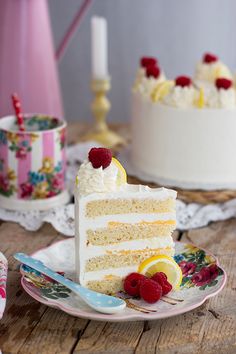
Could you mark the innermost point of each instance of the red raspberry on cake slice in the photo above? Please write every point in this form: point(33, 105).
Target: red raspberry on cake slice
point(100, 157)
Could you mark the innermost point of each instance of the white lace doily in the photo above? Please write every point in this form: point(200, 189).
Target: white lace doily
point(62, 218)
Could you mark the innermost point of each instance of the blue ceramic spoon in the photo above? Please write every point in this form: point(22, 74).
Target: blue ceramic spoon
point(99, 302)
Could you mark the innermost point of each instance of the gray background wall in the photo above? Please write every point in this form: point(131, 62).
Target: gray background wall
point(176, 31)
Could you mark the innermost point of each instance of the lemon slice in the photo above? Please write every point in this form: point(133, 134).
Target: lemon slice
point(122, 176)
point(161, 90)
point(165, 264)
point(201, 99)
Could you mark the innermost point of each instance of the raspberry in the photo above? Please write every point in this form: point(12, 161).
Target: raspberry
point(223, 83)
point(183, 81)
point(132, 283)
point(166, 288)
point(209, 58)
point(148, 61)
point(153, 71)
point(150, 291)
point(100, 157)
point(161, 279)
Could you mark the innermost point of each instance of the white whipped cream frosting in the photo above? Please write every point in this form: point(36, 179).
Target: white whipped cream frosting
point(211, 71)
point(96, 180)
point(186, 97)
point(182, 97)
point(145, 85)
point(220, 98)
point(189, 97)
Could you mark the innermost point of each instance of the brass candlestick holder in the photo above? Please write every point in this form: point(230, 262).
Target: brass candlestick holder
point(100, 108)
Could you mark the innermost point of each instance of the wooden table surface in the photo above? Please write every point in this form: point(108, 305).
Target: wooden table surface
point(30, 327)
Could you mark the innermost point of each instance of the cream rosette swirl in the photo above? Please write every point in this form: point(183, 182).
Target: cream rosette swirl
point(148, 84)
point(148, 76)
point(182, 97)
point(211, 68)
point(183, 94)
point(96, 180)
point(100, 173)
point(222, 95)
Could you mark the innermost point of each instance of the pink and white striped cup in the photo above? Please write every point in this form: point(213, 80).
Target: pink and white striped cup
point(32, 163)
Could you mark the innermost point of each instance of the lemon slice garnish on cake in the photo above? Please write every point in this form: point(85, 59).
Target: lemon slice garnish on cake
point(121, 176)
point(161, 90)
point(165, 264)
point(201, 99)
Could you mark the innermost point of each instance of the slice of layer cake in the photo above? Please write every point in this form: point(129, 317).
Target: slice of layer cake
point(118, 225)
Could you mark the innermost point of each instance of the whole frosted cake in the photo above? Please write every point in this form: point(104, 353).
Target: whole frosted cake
point(118, 225)
point(184, 130)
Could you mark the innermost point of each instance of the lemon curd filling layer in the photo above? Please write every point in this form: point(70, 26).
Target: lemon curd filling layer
point(155, 222)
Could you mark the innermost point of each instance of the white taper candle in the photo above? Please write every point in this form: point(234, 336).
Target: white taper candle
point(99, 47)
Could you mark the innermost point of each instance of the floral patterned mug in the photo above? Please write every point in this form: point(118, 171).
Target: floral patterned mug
point(32, 163)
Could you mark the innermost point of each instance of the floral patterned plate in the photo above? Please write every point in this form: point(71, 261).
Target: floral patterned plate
point(202, 279)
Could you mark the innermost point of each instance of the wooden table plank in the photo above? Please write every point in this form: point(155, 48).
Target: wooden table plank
point(107, 338)
point(174, 335)
point(56, 332)
point(13, 238)
point(22, 312)
point(21, 315)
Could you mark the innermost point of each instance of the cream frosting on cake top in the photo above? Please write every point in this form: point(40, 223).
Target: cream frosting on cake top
point(100, 173)
point(221, 98)
point(96, 180)
point(181, 96)
point(204, 91)
point(211, 68)
point(145, 85)
point(110, 177)
point(148, 76)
